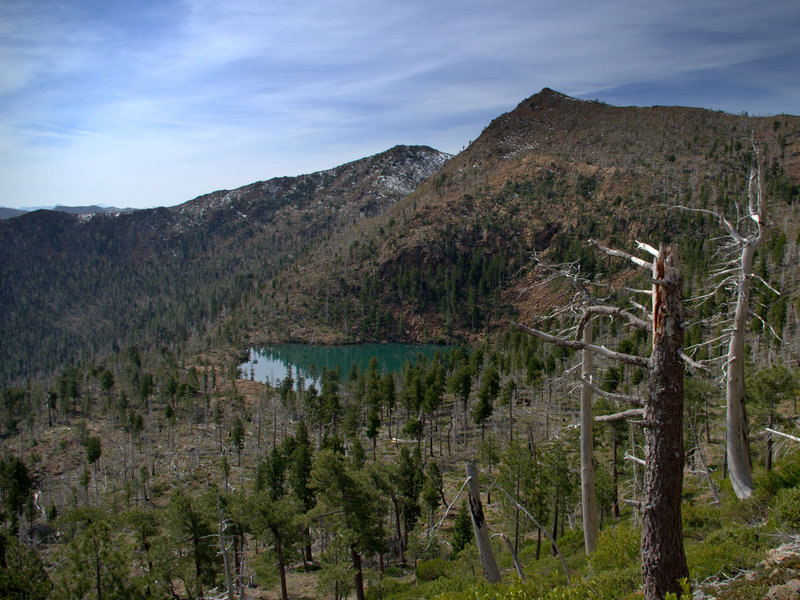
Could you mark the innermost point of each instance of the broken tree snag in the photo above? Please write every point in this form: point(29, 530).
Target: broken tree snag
point(663, 558)
point(480, 528)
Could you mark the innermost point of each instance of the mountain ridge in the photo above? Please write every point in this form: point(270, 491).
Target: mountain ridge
point(9, 213)
point(160, 275)
point(410, 244)
point(527, 184)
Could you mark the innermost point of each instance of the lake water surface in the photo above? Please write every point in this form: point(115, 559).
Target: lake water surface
point(273, 363)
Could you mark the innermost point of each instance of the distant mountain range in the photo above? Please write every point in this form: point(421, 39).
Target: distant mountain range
point(407, 245)
point(8, 213)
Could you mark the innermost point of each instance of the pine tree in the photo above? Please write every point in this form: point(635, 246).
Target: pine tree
point(462, 529)
point(351, 505)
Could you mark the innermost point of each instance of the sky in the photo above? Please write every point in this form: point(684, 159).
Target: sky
point(154, 102)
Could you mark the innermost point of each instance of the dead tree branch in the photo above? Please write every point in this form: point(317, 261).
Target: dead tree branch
point(620, 254)
point(620, 416)
point(629, 359)
point(611, 395)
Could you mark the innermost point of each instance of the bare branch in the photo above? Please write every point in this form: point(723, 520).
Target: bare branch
point(768, 286)
point(693, 363)
point(513, 552)
point(638, 291)
point(618, 397)
point(765, 324)
point(539, 525)
point(636, 459)
point(721, 218)
point(708, 342)
point(786, 435)
point(447, 510)
point(614, 311)
point(647, 248)
point(620, 416)
point(620, 254)
point(629, 359)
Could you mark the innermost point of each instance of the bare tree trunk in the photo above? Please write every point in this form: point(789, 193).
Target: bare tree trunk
point(769, 444)
point(516, 513)
point(588, 504)
point(663, 558)
point(224, 551)
point(738, 444)
point(258, 429)
point(511, 416)
point(738, 441)
point(538, 542)
point(465, 402)
point(490, 567)
point(614, 472)
point(554, 535)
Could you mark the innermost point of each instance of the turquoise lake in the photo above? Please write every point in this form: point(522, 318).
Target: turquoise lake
point(273, 363)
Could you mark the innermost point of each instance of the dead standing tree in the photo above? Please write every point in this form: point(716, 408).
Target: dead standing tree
point(663, 558)
point(585, 303)
point(744, 238)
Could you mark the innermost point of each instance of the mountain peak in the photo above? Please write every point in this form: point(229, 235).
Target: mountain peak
point(547, 98)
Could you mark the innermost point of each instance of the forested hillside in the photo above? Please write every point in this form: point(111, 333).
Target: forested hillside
point(455, 258)
point(76, 286)
point(140, 462)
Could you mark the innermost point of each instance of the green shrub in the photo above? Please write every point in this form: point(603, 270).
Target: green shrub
point(686, 592)
point(700, 519)
point(617, 548)
point(768, 484)
point(786, 474)
point(393, 571)
point(785, 512)
point(726, 550)
point(428, 570)
point(615, 583)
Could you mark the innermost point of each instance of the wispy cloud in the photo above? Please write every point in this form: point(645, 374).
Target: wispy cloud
point(153, 102)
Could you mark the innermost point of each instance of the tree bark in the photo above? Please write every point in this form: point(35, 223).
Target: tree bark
point(480, 528)
point(663, 558)
point(281, 564)
point(358, 577)
point(97, 575)
point(588, 503)
point(398, 530)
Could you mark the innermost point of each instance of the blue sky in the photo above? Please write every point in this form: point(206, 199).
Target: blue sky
point(151, 103)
